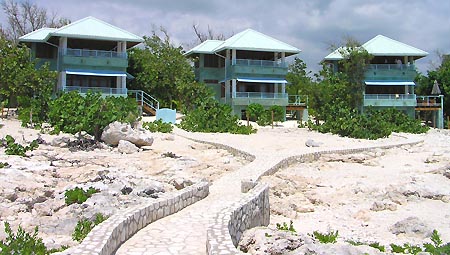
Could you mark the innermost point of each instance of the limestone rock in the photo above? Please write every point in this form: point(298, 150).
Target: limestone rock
point(411, 225)
point(382, 205)
point(127, 147)
point(312, 143)
point(180, 183)
point(117, 131)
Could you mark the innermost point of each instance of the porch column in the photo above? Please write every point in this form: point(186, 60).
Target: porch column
point(283, 58)
point(233, 88)
point(275, 56)
point(405, 60)
point(275, 88)
point(63, 45)
point(227, 91)
point(283, 88)
point(62, 80)
point(233, 56)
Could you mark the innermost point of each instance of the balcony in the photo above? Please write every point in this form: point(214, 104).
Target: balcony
point(390, 100)
point(391, 72)
point(429, 102)
point(256, 68)
point(102, 90)
point(263, 98)
point(92, 59)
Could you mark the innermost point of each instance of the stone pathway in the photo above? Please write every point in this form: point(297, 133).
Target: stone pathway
point(185, 232)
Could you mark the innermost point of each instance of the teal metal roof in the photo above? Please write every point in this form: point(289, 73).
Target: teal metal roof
point(248, 39)
point(39, 35)
point(87, 28)
point(383, 46)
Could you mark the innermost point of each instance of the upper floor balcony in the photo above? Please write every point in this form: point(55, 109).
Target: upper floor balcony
point(76, 58)
point(391, 72)
point(390, 100)
point(255, 68)
point(263, 98)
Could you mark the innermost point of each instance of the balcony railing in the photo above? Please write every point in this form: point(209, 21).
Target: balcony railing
point(94, 53)
point(102, 90)
point(253, 62)
point(390, 97)
point(298, 100)
point(261, 95)
point(429, 101)
point(391, 67)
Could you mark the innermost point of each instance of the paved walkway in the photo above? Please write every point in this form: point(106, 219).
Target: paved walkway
point(185, 232)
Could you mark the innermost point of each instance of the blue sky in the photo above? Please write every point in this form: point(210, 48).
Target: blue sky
point(310, 25)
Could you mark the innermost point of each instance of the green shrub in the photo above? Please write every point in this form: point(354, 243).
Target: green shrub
point(254, 111)
point(375, 245)
point(158, 126)
point(278, 113)
point(264, 117)
point(212, 117)
point(22, 242)
point(78, 195)
point(72, 112)
point(285, 227)
point(84, 226)
point(13, 148)
point(4, 164)
point(405, 248)
point(373, 124)
point(330, 237)
point(436, 247)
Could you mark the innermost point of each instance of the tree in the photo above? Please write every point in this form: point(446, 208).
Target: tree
point(24, 17)
point(20, 80)
point(209, 35)
point(161, 70)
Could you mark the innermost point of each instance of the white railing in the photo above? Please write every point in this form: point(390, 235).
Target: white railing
point(102, 90)
point(255, 62)
point(261, 95)
point(390, 97)
point(94, 53)
point(298, 100)
point(391, 67)
point(429, 101)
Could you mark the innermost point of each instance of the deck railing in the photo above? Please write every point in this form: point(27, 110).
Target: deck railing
point(255, 62)
point(144, 99)
point(94, 53)
point(429, 101)
point(261, 95)
point(102, 90)
point(390, 96)
point(391, 67)
point(298, 100)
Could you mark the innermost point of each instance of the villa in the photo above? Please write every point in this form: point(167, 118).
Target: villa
point(88, 54)
point(249, 67)
point(389, 79)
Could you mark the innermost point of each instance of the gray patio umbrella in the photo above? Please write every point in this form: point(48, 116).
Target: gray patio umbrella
point(436, 90)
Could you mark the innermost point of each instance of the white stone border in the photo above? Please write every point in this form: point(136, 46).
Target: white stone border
point(107, 237)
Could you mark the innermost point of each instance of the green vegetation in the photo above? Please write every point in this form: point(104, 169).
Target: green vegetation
point(4, 164)
point(372, 124)
point(22, 242)
point(158, 126)
point(78, 195)
point(84, 226)
point(13, 148)
point(286, 227)
point(263, 117)
point(211, 116)
point(330, 237)
point(72, 112)
point(436, 247)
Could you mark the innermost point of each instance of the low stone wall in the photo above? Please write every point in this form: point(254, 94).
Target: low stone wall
point(310, 157)
point(251, 211)
point(107, 237)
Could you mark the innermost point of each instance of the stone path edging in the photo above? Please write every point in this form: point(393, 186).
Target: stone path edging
point(107, 237)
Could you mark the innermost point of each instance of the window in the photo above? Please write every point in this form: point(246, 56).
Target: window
point(211, 61)
point(44, 50)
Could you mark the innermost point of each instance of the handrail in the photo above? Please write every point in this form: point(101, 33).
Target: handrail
point(102, 90)
point(145, 99)
point(94, 53)
point(257, 62)
point(429, 100)
point(260, 95)
point(297, 100)
point(391, 67)
point(390, 96)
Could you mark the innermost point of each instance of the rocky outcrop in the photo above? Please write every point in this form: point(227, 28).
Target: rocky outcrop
point(117, 131)
point(411, 225)
point(127, 147)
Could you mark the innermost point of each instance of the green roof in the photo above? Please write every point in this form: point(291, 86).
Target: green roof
point(383, 46)
point(87, 28)
point(248, 39)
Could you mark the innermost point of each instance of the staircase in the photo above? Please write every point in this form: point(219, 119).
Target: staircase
point(147, 103)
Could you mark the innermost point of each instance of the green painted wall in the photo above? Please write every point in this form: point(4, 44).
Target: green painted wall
point(92, 63)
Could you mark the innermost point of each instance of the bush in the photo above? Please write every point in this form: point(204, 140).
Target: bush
point(72, 112)
point(330, 237)
point(13, 148)
point(436, 247)
point(4, 164)
point(373, 124)
point(264, 117)
point(255, 111)
point(22, 243)
point(212, 117)
point(78, 195)
point(158, 126)
point(84, 226)
point(285, 227)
